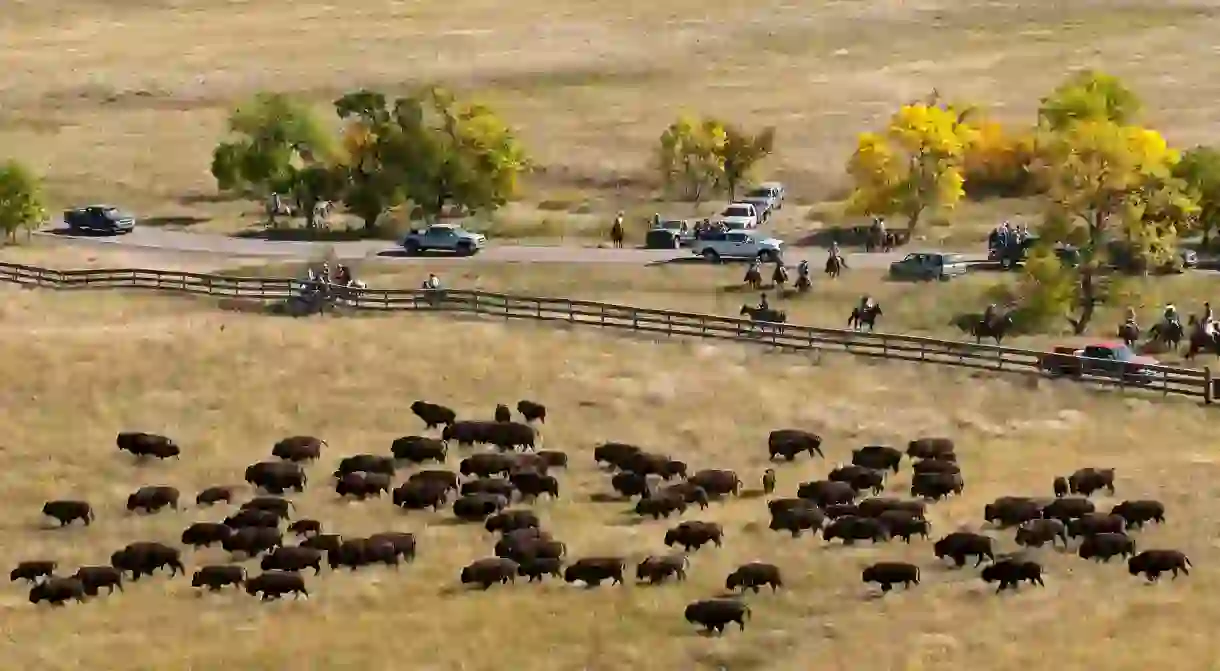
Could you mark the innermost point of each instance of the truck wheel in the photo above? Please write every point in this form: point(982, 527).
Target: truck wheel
point(767, 256)
point(1006, 263)
point(412, 247)
point(465, 250)
point(711, 255)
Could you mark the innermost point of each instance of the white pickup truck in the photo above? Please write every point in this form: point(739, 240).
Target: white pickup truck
point(738, 216)
point(737, 245)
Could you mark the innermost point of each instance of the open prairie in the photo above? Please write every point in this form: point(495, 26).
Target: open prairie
point(123, 100)
point(81, 367)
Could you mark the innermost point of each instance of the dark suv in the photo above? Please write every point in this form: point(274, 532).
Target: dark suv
point(99, 219)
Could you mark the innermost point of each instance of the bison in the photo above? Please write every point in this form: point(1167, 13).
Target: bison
point(1060, 486)
point(511, 520)
point(1011, 511)
point(487, 572)
point(368, 463)
point(252, 517)
point(532, 411)
point(252, 540)
point(593, 570)
point(205, 534)
point(276, 476)
point(689, 492)
point(753, 576)
point(1068, 508)
point(852, 529)
point(402, 543)
point(660, 465)
point(292, 559)
point(274, 584)
point(305, 527)
point(660, 506)
point(57, 591)
point(144, 558)
point(1105, 546)
point(1152, 563)
point(877, 457)
point(32, 570)
point(1096, 523)
point(936, 466)
point(887, 574)
point(214, 577)
point(212, 495)
point(281, 507)
point(66, 512)
point(961, 544)
point(616, 455)
point(94, 578)
point(716, 614)
point(537, 568)
point(936, 486)
point(530, 543)
point(931, 448)
point(902, 524)
point(656, 569)
point(142, 444)
point(694, 535)
point(789, 443)
point(323, 542)
point(433, 415)
point(419, 449)
point(532, 484)
point(1011, 572)
point(1088, 480)
point(717, 483)
point(420, 494)
point(478, 507)
point(1138, 513)
point(487, 464)
point(298, 448)
point(502, 413)
point(629, 484)
point(874, 507)
point(826, 493)
point(153, 498)
point(797, 518)
point(553, 458)
point(1036, 533)
point(859, 477)
point(447, 478)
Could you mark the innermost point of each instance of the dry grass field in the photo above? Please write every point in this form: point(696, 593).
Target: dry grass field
point(123, 100)
point(80, 367)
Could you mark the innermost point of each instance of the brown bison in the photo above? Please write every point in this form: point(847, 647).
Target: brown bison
point(887, 574)
point(530, 543)
point(420, 494)
point(205, 534)
point(716, 483)
point(419, 449)
point(94, 578)
point(689, 491)
point(298, 448)
point(661, 505)
point(57, 591)
point(961, 544)
point(531, 411)
point(276, 477)
point(153, 498)
point(532, 484)
point(217, 576)
point(144, 558)
point(1011, 572)
point(478, 507)
point(1096, 523)
point(274, 584)
point(213, 495)
point(537, 568)
point(1011, 511)
point(252, 540)
point(511, 520)
point(874, 507)
point(1060, 486)
point(1068, 508)
point(252, 517)
point(367, 463)
point(852, 529)
point(902, 524)
point(616, 455)
point(593, 570)
point(323, 542)
point(931, 448)
point(1036, 533)
point(66, 512)
point(486, 465)
point(1088, 480)
point(1152, 563)
point(657, 569)
point(936, 486)
point(789, 443)
point(433, 415)
point(1105, 546)
point(801, 516)
point(754, 576)
point(629, 484)
point(936, 466)
point(826, 492)
point(281, 507)
point(877, 457)
point(305, 527)
point(32, 570)
point(694, 535)
point(716, 614)
point(147, 445)
point(292, 559)
point(1139, 513)
point(860, 478)
point(487, 572)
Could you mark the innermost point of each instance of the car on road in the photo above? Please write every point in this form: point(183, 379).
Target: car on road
point(444, 238)
point(738, 216)
point(670, 234)
point(1121, 256)
point(99, 219)
point(922, 266)
point(737, 245)
point(1108, 359)
point(772, 190)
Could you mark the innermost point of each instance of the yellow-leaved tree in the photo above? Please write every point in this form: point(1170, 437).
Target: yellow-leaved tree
point(691, 155)
point(915, 165)
point(1110, 187)
point(998, 163)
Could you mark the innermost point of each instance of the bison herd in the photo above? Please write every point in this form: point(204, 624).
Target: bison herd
point(846, 506)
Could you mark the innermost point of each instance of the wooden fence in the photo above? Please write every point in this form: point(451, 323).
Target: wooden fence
point(1163, 379)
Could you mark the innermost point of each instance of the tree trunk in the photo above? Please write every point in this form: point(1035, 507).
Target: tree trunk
point(912, 222)
point(370, 220)
point(1088, 303)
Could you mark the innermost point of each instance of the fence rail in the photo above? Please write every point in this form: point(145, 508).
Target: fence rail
point(1164, 379)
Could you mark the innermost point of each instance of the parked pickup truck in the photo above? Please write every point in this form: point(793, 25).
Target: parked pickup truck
point(99, 219)
point(738, 216)
point(1115, 360)
point(737, 245)
point(444, 238)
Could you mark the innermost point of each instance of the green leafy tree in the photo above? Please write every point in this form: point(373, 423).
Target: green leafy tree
point(273, 138)
point(1199, 170)
point(691, 157)
point(369, 132)
point(741, 152)
point(21, 200)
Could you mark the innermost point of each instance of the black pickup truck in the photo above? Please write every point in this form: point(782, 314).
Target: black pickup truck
point(99, 219)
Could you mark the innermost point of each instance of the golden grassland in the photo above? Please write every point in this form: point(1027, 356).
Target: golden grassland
point(80, 367)
point(123, 100)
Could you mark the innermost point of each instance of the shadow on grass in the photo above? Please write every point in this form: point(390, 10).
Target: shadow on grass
point(167, 222)
point(296, 234)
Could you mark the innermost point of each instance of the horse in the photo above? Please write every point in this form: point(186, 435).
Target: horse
point(753, 278)
point(1168, 333)
point(835, 265)
point(771, 315)
point(779, 277)
point(616, 235)
point(1129, 332)
point(994, 328)
point(803, 284)
point(878, 240)
point(866, 317)
point(1201, 340)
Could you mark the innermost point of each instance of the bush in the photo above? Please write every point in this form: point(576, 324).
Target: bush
point(1045, 294)
point(998, 163)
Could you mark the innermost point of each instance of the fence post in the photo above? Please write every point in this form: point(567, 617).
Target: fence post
point(571, 313)
point(1207, 385)
point(603, 315)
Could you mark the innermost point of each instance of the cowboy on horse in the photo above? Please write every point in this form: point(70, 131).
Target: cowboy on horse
point(834, 261)
point(762, 302)
point(754, 274)
point(802, 276)
point(616, 231)
point(779, 277)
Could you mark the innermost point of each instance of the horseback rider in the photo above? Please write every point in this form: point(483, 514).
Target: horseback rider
point(989, 313)
point(762, 302)
point(325, 275)
point(1171, 315)
point(834, 250)
point(433, 282)
point(1208, 320)
point(866, 303)
point(1131, 318)
point(802, 269)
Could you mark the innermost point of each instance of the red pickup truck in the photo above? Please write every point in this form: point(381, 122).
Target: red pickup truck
point(1115, 360)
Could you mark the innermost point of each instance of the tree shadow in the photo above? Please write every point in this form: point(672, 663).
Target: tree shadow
point(207, 199)
point(300, 234)
point(178, 221)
